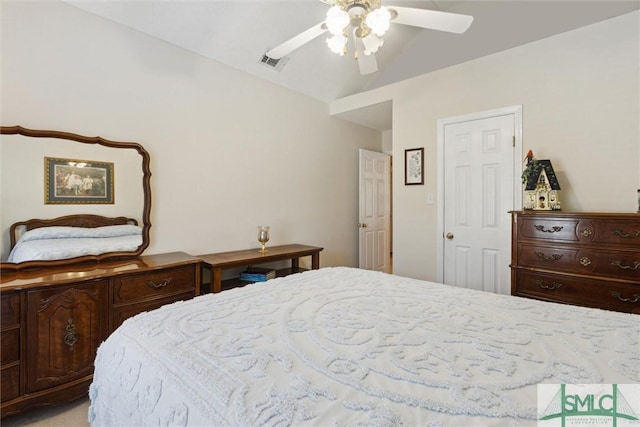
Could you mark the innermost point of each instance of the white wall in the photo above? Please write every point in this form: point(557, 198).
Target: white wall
point(228, 152)
point(580, 93)
point(387, 141)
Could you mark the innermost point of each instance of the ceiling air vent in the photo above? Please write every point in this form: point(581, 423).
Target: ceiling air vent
point(274, 64)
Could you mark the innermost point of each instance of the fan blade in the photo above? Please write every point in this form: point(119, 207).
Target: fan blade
point(293, 43)
point(432, 19)
point(366, 63)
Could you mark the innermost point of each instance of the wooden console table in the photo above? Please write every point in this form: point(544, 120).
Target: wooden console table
point(216, 262)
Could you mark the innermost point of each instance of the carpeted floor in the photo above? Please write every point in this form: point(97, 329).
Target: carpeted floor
point(72, 414)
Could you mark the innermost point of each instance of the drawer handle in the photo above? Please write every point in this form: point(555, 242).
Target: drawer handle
point(553, 229)
point(586, 232)
point(552, 286)
point(622, 233)
point(585, 261)
point(636, 297)
point(618, 263)
point(154, 285)
point(554, 257)
point(71, 337)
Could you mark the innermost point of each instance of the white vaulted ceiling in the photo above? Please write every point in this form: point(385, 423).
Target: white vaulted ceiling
point(239, 32)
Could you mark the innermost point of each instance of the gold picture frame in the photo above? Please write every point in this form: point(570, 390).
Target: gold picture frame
point(74, 181)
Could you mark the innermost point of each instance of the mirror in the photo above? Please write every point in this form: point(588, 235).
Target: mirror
point(28, 190)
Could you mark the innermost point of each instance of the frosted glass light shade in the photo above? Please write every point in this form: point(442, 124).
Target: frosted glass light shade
point(337, 44)
point(372, 43)
point(337, 20)
point(379, 20)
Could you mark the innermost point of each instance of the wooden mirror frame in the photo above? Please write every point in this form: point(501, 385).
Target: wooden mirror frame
point(146, 187)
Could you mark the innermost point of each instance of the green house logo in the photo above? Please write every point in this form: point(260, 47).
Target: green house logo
point(588, 404)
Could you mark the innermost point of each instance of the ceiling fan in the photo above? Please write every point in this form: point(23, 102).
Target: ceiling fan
point(367, 21)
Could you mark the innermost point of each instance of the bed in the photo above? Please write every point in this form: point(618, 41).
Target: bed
point(344, 346)
point(72, 236)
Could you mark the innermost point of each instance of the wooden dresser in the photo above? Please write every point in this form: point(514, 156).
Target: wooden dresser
point(580, 258)
point(54, 319)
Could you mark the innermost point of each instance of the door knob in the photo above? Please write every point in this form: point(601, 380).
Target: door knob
point(449, 236)
point(362, 225)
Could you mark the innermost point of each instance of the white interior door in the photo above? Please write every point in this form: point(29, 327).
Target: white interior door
point(375, 211)
point(479, 191)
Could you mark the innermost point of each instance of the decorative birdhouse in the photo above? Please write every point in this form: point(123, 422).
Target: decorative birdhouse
point(542, 190)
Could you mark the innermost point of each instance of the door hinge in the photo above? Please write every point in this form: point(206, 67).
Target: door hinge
point(514, 140)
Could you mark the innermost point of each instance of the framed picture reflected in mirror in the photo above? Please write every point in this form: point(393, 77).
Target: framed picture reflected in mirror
point(73, 181)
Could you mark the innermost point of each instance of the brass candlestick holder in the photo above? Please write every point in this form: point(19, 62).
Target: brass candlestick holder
point(263, 237)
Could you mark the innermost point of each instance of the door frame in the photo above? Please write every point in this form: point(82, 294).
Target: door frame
point(516, 110)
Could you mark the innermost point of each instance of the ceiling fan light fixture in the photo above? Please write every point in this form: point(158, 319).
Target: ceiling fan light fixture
point(337, 44)
point(378, 20)
point(361, 24)
point(337, 20)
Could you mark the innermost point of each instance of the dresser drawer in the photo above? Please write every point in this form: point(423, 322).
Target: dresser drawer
point(10, 309)
point(613, 264)
point(548, 257)
point(153, 284)
point(618, 233)
point(123, 312)
point(584, 292)
point(547, 229)
point(10, 351)
point(10, 382)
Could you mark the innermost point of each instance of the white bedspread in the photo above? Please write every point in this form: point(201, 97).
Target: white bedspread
point(341, 346)
point(53, 243)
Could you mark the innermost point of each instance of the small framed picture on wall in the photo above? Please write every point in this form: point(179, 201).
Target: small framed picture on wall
point(414, 166)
